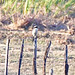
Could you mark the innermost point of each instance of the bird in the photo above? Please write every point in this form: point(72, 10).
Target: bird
point(35, 31)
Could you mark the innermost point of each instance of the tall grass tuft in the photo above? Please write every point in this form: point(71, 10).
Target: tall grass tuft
point(34, 6)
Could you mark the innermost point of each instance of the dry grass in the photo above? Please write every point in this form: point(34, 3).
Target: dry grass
point(49, 29)
point(55, 60)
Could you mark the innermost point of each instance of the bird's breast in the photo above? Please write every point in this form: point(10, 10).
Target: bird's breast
point(34, 32)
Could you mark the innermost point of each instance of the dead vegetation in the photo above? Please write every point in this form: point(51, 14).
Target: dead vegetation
point(61, 29)
point(19, 22)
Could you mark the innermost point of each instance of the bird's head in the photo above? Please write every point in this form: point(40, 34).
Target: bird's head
point(35, 26)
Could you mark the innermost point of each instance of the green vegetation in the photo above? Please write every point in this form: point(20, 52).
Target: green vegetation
point(35, 6)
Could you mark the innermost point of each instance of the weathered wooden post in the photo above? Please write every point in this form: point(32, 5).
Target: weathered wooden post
point(66, 61)
point(34, 33)
point(45, 58)
point(21, 55)
point(51, 71)
point(35, 56)
point(6, 57)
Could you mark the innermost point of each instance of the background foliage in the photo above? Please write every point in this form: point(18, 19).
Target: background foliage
point(35, 6)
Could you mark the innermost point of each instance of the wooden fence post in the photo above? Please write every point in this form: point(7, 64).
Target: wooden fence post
point(45, 58)
point(21, 55)
point(35, 56)
point(51, 71)
point(66, 61)
point(6, 57)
